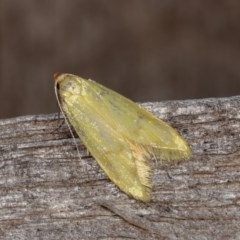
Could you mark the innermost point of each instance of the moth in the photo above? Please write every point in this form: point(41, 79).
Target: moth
point(121, 135)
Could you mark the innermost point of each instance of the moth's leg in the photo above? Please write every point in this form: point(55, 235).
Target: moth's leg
point(86, 154)
point(60, 124)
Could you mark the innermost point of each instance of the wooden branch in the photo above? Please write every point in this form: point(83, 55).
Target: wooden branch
point(47, 192)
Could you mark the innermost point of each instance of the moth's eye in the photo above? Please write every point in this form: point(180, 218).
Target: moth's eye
point(58, 86)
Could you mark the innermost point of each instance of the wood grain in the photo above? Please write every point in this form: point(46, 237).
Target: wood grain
point(47, 192)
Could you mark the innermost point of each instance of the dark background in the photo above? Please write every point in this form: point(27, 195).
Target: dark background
point(147, 50)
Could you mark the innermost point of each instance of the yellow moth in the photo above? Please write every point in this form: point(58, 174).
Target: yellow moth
point(121, 135)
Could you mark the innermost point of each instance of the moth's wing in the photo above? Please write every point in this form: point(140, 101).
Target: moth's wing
point(160, 139)
point(125, 162)
point(143, 128)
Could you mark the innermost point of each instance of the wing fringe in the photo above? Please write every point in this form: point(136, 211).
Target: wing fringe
point(141, 157)
point(169, 154)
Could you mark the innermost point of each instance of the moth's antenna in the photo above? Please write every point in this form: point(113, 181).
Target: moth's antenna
point(65, 117)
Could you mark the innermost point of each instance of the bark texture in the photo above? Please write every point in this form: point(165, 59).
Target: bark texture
point(47, 192)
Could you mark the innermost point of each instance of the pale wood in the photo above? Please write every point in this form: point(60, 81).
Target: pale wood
point(47, 192)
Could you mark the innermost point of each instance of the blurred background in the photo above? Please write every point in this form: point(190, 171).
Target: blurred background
point(146, 50)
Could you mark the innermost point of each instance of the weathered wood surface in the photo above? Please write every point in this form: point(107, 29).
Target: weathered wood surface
point(47, 192)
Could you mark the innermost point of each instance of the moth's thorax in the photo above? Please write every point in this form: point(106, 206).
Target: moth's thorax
point(69, 86)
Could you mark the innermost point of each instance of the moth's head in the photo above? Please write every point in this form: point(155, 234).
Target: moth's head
point(68, 84)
